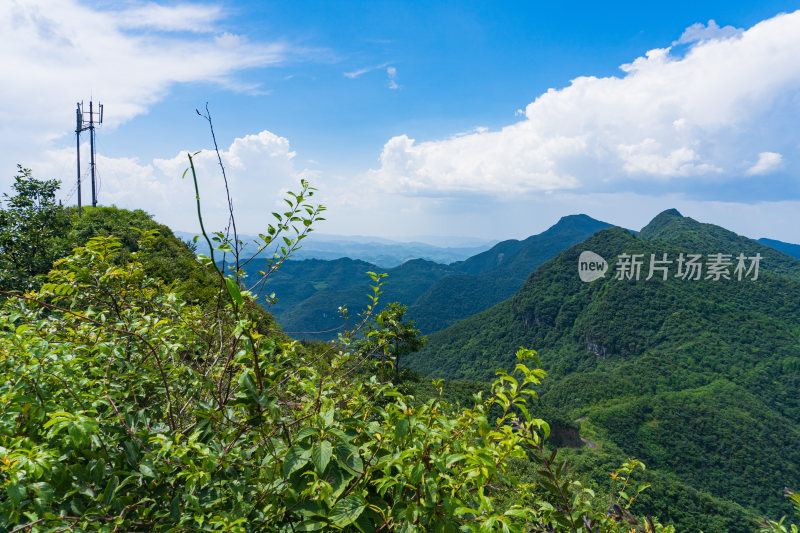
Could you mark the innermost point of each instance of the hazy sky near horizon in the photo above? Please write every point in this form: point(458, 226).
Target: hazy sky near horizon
point(475, 119)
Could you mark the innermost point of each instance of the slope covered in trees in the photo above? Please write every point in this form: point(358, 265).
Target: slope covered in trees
point(492, 276)
point(695, 377)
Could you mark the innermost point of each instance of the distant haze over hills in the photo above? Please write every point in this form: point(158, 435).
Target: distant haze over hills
point(381, 252)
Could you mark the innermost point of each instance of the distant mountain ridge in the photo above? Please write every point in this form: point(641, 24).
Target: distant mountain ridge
point(496, 274)
point(381, 252)
point(785, 247)
point(311, 291)
point(697, 378)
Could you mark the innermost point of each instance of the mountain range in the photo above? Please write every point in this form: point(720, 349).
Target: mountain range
point(311, 291)
point(698, 378)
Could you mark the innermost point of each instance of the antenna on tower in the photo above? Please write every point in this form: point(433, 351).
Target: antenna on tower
point(78, 129)
point(82, 125)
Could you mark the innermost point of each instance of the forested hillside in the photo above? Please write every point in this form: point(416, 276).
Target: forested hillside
point(695, 377)
point(492, 276)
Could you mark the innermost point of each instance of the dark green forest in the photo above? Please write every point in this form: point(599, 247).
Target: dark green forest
point(147, 389)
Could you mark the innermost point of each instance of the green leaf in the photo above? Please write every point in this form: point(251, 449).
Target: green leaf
point(131, 453)
point(77, 435)
point(296, 458)
point(233, 290)
point(246, 381)
point(401, 428)
point(108, 493)
point(146, 470)
point(310, 525)
point(321, 455)
point(348, 456)
point(416, 474)
point(338, 479)
point(304, 434)
point(15, 493)
point(347, 510)
point(174, 509)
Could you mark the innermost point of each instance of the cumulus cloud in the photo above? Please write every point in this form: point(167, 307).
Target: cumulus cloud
point(55, 51)
point(767, 162)
point(665, 118)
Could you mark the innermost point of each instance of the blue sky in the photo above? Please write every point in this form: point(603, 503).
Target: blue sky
point(472, 119)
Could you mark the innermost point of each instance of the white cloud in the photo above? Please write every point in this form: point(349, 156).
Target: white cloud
point(391, 73)
point(359, 72)
point(665, 117)
point(55, 52)
point(700, 32)
point(180, 17)
point(767, 162)
point(647, 157)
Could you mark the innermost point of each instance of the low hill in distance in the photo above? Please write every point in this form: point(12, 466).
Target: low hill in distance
point(785, 247)
point(697, 378)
